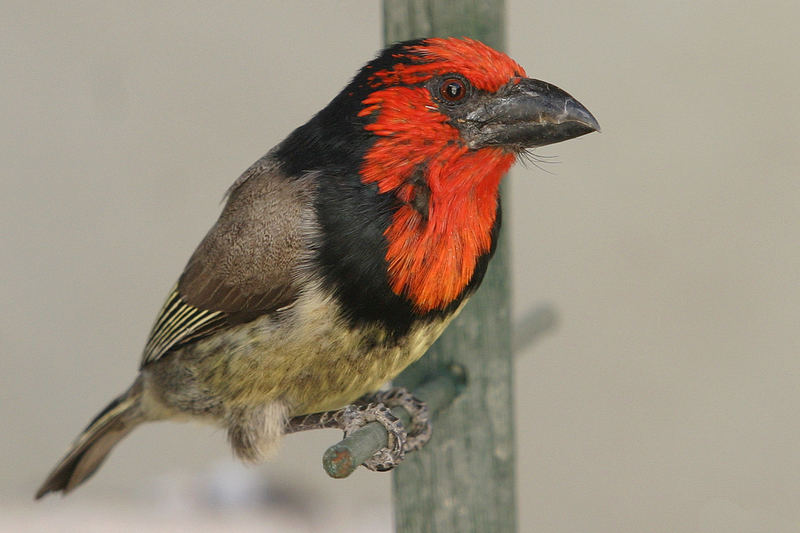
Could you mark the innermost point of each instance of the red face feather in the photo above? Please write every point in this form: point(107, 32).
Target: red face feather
point(432, 256)
point(486, 68)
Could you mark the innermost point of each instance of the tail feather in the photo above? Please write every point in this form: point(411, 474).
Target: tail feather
point(95, 442)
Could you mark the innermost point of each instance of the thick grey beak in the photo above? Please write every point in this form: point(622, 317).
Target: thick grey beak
point(527, 114)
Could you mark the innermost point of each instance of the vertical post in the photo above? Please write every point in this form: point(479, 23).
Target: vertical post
point(463, 480)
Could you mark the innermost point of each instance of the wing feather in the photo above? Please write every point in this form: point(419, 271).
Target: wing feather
point(177, 323)
point(246, 266)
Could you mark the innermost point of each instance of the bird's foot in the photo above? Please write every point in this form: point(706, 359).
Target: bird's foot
point(377, 408)
point(420, 428)
point(359, 415)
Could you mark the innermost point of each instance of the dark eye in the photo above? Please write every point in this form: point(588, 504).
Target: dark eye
point(453, 89)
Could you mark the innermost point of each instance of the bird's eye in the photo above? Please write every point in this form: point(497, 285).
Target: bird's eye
point(453, 89)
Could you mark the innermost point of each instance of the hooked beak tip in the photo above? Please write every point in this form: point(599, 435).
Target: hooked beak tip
point(575, 112)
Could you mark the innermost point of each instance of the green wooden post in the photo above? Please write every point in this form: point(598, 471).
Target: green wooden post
point(463, 480)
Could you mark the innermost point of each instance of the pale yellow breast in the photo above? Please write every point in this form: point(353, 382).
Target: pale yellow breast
point(308, 357)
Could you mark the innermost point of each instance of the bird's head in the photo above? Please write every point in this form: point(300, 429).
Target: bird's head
point(479, 92)
point(433, 125)
point(428, 95)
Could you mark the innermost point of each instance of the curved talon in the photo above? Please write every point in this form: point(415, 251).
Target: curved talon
point(420, 430)
point(356, 416)
point(377, 408)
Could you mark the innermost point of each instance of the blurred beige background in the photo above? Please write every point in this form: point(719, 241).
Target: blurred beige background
point(667, 400)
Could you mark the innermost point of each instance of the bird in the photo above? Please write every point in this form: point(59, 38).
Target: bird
point(340, 255)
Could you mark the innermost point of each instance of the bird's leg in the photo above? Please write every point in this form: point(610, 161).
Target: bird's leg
point(376, 408)
point(355, 416)
point(324, 420)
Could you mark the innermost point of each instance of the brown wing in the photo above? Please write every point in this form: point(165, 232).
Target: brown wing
point(245, 266)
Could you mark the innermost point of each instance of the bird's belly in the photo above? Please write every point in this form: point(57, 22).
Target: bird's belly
point(310, 359)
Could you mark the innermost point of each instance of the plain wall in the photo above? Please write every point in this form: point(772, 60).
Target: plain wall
point(667, 399)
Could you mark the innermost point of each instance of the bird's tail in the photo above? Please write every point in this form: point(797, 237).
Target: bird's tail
point(95, 442)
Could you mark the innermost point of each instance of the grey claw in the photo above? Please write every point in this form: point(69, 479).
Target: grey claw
point(356, 416)
point(420, 430)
